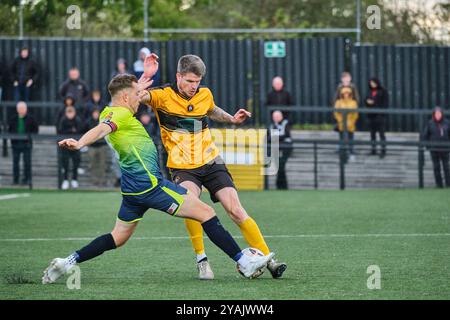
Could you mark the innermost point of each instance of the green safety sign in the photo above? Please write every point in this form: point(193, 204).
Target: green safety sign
point(275, 49)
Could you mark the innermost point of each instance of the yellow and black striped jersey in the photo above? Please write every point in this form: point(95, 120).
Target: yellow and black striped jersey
point(184, 126)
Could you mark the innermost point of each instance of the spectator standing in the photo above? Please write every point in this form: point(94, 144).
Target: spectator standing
point(438, 130)
point(377, 98)
point(71, 124)
point(25, 73)
point(22, 123)
point(280, 127)
point(76, 88)
point(278, 96)
point(69, 101)
point(346, 81)
point(346, 101)
point(121, 68)
point(95, 102)
point(97, 152)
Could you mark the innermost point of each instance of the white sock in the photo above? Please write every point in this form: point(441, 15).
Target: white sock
point(200, 257)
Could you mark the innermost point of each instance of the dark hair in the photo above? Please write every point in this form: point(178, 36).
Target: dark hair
point(191, 63)
point(120, 82)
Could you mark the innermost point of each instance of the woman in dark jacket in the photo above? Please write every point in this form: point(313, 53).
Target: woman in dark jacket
point(70, 124)
point(377, 98)
point(438, 130)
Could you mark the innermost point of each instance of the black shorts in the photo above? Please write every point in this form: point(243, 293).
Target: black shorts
point(214, 176)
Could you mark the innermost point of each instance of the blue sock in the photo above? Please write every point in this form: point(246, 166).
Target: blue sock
point(221, 237)
point(95, 248)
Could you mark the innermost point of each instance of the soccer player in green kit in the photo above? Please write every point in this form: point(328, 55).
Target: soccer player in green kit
point(143, 186)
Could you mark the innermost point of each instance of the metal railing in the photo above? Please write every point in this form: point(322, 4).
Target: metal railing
point(345, 144)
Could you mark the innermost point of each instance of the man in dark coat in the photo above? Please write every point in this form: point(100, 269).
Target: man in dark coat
point(75, 87)
point(377, 98)
point(22, 123)
point(24, 73)
point(438, 130)
point(280, 127)
point(278, 96)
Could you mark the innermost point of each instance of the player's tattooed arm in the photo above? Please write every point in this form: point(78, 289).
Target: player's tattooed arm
point(219, 115)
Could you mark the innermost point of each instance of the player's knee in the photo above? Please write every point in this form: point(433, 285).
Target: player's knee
point(120, 238)
point(237, 214)
point(208, 212)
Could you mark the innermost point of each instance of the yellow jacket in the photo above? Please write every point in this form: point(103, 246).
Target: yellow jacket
point(352, 117)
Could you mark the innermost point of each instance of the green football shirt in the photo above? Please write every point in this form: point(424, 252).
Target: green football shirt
point(136, 153)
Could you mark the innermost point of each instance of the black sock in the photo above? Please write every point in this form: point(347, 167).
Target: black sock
point(221, 237)
point(96, 247)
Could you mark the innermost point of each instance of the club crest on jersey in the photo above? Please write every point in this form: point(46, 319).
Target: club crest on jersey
point(107, 119)
point(173, 207)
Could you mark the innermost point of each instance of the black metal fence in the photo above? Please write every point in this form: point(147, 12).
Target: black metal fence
point(240, 74)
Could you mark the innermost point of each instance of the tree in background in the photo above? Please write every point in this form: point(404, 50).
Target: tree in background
point(414, 21)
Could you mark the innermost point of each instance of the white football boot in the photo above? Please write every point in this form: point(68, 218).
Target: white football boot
point(55, 270)
point(252, 269)
point(204, 271)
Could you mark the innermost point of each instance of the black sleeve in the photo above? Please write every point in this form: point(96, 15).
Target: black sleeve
point(287, 131)
point(60, 129)
point(36, 72)
point(11, 125)
point(63, 89)
point(385, 102)
point(426, 133)
point(34, 126)
point(13, 71)
point(290, 101)
point(85, 92)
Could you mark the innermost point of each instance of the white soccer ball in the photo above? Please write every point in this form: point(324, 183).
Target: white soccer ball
point(252, 252)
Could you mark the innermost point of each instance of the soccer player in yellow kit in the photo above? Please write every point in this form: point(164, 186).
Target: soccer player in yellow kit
point(182, 110)
point(143, 186)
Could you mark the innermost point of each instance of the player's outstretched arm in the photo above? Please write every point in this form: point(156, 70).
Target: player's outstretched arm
point(96, 133)
point(219, 115)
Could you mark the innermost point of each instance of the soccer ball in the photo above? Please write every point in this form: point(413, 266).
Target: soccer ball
point(252, 252)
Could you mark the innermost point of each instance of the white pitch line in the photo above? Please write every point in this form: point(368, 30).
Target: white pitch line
point(14, 196)
point(374, 235)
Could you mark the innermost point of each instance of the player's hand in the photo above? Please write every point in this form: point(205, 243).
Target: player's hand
point(241, 116)
point(29, 83)
point(144, 97)
point(70, 144)
point(144, 83)
point(150, 65)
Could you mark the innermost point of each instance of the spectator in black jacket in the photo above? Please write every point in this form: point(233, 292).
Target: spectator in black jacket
point(377, 98)
point(70, 124)
point(280, 127)
point(98, 152)
point(75, 87)
point(69, 101)
point(22, 123)
point(280, 97)
point(95, 103)
point(438, 130)
point(25, 73)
